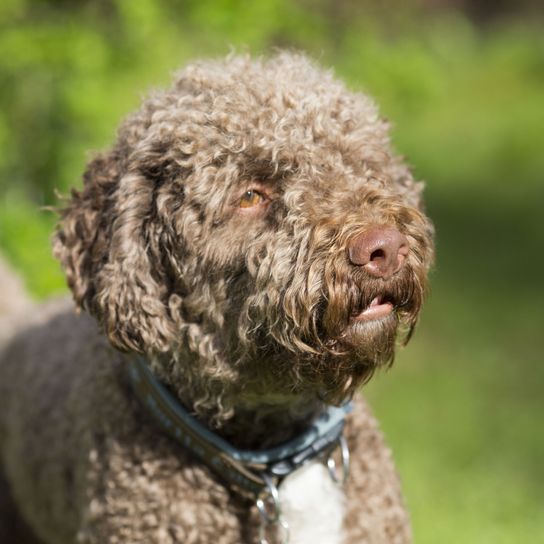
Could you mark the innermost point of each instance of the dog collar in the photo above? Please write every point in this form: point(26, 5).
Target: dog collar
point(247, 471)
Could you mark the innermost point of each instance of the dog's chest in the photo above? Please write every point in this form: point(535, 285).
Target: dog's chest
point(313, 506)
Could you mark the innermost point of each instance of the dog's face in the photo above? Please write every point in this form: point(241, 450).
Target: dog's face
point(254, 216)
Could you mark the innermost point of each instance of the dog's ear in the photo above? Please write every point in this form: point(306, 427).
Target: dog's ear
point(82, 238)
point(102, 242)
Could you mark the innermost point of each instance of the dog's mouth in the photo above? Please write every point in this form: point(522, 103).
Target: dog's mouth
point(380, 306)
point(364, 315)
point(362, 337)
point(375, 316)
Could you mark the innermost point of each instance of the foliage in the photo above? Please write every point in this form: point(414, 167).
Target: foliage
point(70, 71)
point(24, 239)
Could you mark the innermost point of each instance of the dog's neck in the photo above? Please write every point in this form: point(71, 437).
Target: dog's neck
point(241, 409)
point(266, 422)
point(260, 421)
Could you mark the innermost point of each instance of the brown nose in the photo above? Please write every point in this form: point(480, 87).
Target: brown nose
point(380, 250)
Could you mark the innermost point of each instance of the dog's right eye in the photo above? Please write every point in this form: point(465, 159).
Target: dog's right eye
point(251, 198)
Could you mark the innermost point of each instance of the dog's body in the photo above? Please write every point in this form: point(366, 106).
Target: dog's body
point(92, 464)
point(225, 237)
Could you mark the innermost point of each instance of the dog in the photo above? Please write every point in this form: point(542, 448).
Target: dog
point(246, 255)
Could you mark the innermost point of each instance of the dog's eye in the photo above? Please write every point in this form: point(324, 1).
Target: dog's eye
point(251, 198)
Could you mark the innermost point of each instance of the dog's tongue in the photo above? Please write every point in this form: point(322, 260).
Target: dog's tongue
point(375, 310)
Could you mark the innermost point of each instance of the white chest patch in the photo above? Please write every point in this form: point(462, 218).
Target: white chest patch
point(313, 506)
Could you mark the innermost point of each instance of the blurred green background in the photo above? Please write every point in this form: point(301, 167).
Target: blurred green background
point(463, 82)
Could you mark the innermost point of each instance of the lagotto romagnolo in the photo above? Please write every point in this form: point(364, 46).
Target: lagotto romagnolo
point(254, 240)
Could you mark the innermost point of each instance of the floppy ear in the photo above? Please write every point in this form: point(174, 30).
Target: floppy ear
point(81, 240)
point(102, 242)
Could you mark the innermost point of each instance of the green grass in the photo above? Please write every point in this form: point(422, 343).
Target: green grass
point(462, 407)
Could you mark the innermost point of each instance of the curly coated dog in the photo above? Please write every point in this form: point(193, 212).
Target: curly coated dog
point(247, 254)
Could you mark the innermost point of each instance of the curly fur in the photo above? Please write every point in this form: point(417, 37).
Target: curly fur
point(246, 316)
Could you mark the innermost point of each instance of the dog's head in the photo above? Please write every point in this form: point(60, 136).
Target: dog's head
point(252, 216)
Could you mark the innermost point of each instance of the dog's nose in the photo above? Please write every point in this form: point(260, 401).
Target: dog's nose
point(380, 250)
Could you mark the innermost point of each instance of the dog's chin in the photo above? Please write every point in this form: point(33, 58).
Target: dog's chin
point(363, 346)
point(371, 340)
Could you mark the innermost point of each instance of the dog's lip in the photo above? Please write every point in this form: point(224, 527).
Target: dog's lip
point(377, 309)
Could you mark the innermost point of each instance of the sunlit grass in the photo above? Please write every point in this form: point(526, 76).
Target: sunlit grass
point(462, 407)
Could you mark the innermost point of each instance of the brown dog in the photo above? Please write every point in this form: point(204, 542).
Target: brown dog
point(253, 236)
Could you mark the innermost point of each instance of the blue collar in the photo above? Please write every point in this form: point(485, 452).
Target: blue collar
point(247, 471)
